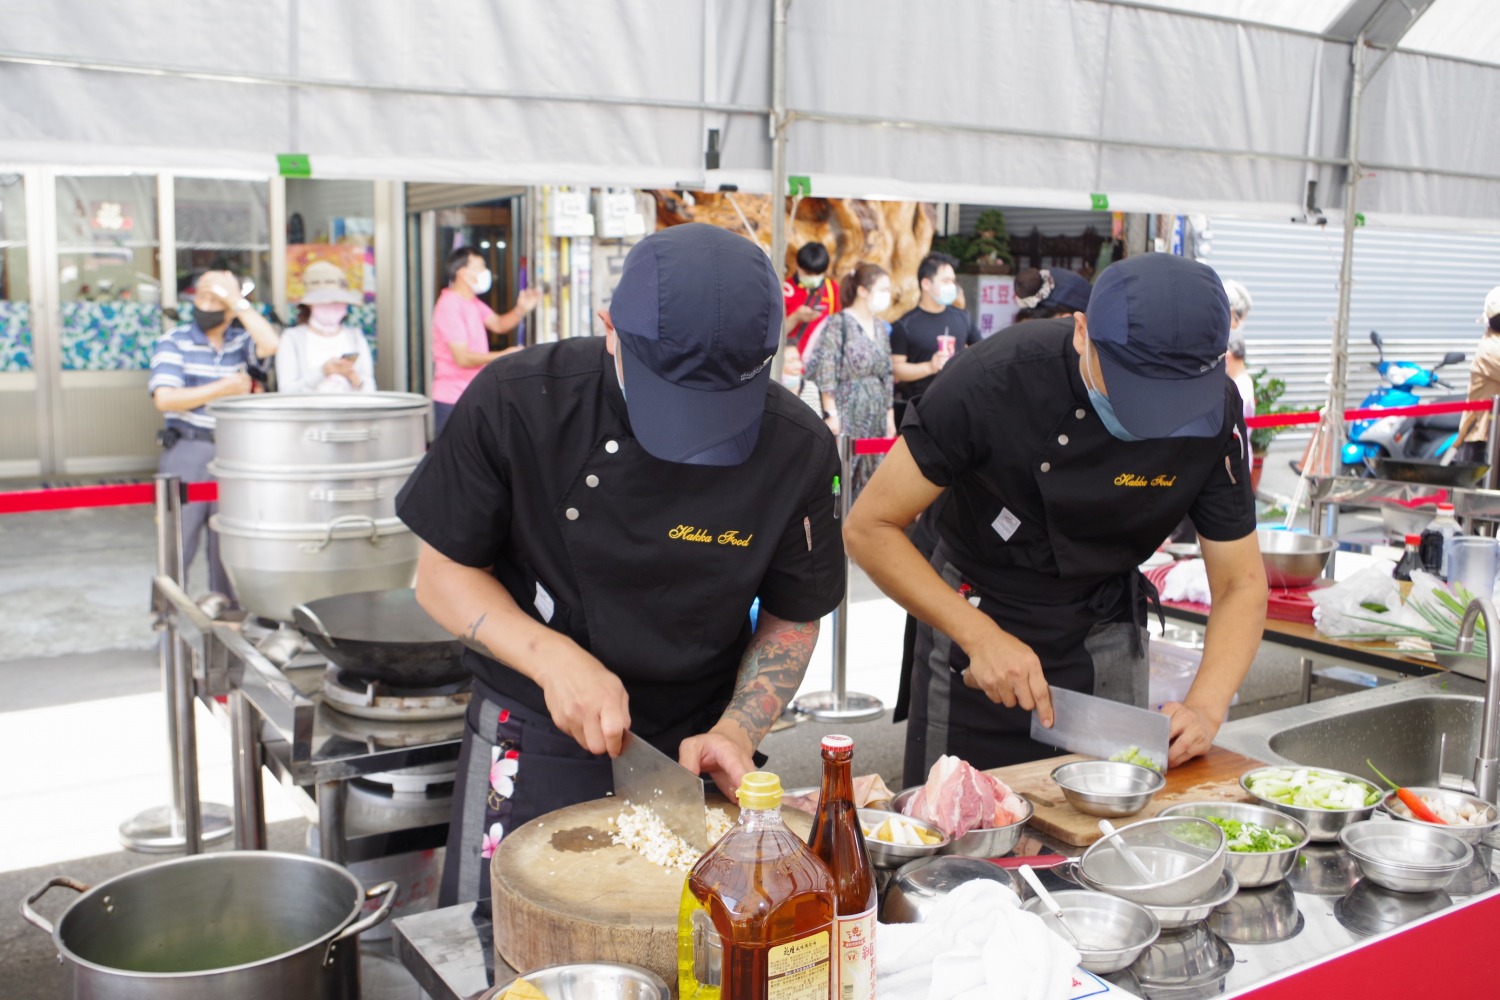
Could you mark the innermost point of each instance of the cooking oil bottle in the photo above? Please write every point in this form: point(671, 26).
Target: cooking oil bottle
point(839, 843)
point(757, 914)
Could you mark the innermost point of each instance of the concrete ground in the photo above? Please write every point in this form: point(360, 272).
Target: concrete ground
point(82, 716)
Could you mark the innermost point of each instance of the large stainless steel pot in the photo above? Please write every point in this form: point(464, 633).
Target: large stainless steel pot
point(320, 429)
point(255, 495)
point(276, 567)
point(243, 925)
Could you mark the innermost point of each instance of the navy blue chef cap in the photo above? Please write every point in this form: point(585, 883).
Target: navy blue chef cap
point(698, 312)
point(1070, 290)
point(1160, 324)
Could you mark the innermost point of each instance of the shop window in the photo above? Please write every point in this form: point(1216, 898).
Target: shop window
point(333, 221)
point(107, 272)
point(15, 290)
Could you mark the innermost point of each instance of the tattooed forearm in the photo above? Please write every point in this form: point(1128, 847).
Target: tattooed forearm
point(770, 673)
point(472, 640)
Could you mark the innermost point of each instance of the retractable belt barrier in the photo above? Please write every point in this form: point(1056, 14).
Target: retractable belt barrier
point(79, 497)
point(879, 446)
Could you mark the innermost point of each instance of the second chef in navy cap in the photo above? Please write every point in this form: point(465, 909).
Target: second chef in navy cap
point(1051, 462)
point(597, 519)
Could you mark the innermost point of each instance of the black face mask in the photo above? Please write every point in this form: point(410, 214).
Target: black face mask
point(207, 319)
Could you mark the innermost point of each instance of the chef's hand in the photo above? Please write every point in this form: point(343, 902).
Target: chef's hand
point(722, 754)
point(587, 702)
point(1192, 732)
point(1008, 672)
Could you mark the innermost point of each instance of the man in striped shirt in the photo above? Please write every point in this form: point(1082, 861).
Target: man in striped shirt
point(192, 366)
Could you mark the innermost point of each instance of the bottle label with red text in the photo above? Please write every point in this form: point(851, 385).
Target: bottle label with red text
point(854, 952)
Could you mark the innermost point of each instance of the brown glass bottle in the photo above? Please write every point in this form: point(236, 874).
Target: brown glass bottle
point(757, 913)
point(839, 843)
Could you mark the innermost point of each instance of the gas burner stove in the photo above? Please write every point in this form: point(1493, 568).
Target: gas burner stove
point(365, 699)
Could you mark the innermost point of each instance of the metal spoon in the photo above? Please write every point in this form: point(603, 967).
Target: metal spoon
point(1051, 904)
point(1108, 829)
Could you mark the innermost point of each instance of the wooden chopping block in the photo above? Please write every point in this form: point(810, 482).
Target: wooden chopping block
point(1215, 776)
point(563, 893)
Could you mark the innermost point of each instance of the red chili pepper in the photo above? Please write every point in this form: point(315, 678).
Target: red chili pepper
point(1413, 801)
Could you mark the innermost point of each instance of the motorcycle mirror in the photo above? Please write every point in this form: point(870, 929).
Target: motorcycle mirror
point(1452, 358)
point(1375, 339)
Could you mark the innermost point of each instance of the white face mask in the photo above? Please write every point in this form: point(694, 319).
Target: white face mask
point(880, 301)
point(947, 294)
point(481, 282)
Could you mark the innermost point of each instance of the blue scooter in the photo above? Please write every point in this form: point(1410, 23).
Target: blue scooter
point(1422, 438)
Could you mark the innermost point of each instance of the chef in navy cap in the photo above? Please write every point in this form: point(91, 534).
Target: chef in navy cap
point(597, 519)
point(1047, 463)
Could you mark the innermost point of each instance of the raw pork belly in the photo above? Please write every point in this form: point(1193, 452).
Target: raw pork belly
point(957, 798)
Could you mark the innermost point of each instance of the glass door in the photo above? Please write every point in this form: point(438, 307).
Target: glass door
point(110, 303)
point(20, 448)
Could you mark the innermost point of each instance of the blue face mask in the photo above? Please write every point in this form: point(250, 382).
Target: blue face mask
point(1106, 410)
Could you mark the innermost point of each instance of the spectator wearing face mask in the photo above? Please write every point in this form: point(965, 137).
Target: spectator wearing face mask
point(461, 328)
point(850, 361)
point(808, 296)
point(320, 353)
point(924, 340)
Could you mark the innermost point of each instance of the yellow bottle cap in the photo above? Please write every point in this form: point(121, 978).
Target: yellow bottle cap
point(760, 790)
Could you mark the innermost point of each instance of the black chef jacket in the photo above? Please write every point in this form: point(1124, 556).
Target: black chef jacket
point(649, 565)
point(1047, 514)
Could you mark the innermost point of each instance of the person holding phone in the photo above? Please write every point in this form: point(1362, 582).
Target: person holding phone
point(320, 353)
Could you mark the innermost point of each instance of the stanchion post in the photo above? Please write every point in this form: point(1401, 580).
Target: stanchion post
point(840, 704)
point(180, 825)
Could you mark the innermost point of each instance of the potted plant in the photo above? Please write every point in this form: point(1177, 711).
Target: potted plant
point(987, 251)
point(1268, 393)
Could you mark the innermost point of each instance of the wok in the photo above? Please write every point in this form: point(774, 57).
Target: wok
point(1411, 470)
point(382, 635)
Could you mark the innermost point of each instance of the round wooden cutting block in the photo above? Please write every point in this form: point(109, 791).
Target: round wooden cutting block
point(563, 893)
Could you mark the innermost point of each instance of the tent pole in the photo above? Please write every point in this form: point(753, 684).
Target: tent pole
point(1338, 381)
point(778, 124)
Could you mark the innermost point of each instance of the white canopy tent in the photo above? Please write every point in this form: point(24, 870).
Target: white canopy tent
point(1213, 106)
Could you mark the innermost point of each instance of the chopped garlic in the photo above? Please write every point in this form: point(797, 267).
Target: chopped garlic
point(640, 829)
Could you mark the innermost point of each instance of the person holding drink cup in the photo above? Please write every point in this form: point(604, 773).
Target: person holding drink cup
point(927, 337)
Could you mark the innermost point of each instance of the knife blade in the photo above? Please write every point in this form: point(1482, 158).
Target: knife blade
point(1098, 727)
point(646, 776)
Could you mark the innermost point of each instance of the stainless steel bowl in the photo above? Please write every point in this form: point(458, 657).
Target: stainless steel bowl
point(1172, 917)
point(1107, 787)
point(1182, 870)
point(886, 855)
point(918, 886)
point(591, 981)
point(1406, 857)
point(1252, 868)
point(1322, 824)
point(1293, 559)
point(990, 842)
point(1392, 806)
point(1258, 916)
point(1111, 932)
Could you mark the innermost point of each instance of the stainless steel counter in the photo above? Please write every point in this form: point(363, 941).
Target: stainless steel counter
point(1323, 910)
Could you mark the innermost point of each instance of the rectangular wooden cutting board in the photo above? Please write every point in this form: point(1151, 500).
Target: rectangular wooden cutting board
point(1213, 777)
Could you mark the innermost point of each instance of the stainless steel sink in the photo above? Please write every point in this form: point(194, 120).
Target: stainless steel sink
point(1400, 727)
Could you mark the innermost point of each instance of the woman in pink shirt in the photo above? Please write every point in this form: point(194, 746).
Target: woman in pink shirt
point(461, 325)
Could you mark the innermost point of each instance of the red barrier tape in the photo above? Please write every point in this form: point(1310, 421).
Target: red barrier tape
point(1421, 409)
point(76, 497)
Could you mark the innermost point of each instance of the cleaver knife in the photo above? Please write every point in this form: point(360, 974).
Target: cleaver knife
point(1098, 727)
point(645, 776)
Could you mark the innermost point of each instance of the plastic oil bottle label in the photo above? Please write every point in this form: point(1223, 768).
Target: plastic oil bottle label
point(855, 954)
point(799, 970)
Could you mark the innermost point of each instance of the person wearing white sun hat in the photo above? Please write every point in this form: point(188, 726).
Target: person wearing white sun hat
point(320, 353)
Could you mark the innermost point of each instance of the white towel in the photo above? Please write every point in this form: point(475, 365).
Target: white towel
point(1187, 581)
point(976, 944)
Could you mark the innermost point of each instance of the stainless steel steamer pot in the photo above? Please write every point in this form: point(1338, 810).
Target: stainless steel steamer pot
point(275, 568)
point(320, 429)
point(239, 925)
point(253, 495)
